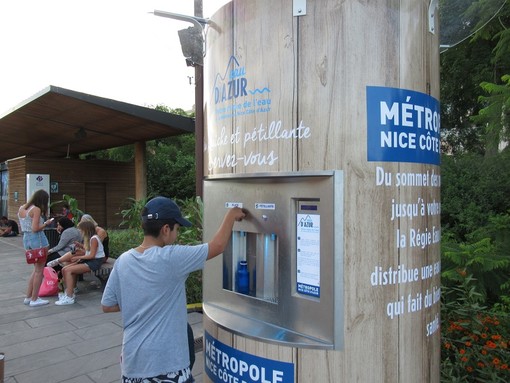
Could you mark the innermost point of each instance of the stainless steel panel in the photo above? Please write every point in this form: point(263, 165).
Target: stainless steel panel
point(274, 310)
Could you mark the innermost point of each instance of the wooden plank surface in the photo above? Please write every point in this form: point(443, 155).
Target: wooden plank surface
point(318, 68)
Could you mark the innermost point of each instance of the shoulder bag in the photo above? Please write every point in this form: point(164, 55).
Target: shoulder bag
point(36, 255)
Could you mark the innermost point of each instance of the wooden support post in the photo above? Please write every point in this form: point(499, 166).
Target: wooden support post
point(140, 171)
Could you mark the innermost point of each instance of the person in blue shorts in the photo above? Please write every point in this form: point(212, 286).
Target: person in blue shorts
point(31, 218)
point(147, 284)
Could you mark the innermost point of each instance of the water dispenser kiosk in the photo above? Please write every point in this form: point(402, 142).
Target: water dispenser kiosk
point(280, 278)
point(322, 119)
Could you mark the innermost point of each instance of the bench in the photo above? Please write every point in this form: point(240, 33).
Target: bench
point(104, 271)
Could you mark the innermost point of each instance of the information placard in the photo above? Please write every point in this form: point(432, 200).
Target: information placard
point(308, 247)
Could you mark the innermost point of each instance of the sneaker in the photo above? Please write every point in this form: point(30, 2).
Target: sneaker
point(38, 302)
point(53, 263)
point(26, 301)
point(61, 295)
point(65, 300)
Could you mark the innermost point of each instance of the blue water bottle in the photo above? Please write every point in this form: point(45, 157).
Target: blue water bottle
point(243, 278)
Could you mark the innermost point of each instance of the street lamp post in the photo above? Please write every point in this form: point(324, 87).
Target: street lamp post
point(199, 116)
point(199, 22)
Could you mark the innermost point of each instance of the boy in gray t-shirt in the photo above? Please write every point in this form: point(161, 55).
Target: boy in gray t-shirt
point(147, 285)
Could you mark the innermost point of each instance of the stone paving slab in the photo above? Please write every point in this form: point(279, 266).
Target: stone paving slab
point(50, 344)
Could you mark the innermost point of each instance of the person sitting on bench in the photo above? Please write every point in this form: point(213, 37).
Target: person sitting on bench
point(69, 234)
point(75, 265)
point(10, 228)
point(102, 233)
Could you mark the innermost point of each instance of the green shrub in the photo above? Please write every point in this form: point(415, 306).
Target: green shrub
point(73, 207)
point(475, 339)
point(194, 287)
point(193, 211)
point(123, 239)
point(131, 217)
point(483, 260)
point(475, 320)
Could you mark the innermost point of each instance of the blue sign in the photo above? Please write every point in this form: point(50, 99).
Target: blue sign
point(402, 126)
point(54, 187)
point(314, 291)
point(226, 364)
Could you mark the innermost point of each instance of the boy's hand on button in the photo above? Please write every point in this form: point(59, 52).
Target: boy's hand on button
point(238, 213)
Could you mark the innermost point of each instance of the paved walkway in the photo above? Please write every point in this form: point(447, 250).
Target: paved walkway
point(73, 344)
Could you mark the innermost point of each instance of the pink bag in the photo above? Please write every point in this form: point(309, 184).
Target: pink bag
point(49, 284)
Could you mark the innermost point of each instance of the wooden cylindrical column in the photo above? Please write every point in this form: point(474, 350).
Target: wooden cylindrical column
point(301, 86)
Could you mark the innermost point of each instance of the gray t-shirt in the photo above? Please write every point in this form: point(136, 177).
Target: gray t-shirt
point(149, 288)
point(67, 238)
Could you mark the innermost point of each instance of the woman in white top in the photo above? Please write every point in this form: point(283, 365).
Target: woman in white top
point(75, 265)
point(101, 233)
point(32, 224)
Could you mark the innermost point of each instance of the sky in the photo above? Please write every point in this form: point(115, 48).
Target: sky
point(108, 48)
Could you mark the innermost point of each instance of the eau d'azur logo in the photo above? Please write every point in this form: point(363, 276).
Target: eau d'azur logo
point(234, 95)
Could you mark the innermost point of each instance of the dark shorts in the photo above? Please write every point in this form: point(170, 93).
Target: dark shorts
point(181, 376)
point(94, 264)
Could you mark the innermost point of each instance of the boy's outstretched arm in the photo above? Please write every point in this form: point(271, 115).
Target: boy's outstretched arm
point(218, 243)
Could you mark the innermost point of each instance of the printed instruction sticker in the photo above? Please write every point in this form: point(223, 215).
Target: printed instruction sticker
point(265, 206)
point(230, 205)
point(308, 247)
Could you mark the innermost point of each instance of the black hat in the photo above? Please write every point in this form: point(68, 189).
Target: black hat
point(160, 208)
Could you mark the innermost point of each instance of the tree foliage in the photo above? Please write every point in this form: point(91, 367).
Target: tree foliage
point(495, 116)
point(475, 192)
point(474, 188)
point(484, 57)
point(171, 166)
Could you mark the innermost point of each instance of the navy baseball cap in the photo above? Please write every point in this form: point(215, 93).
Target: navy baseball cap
point(160, 208)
